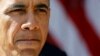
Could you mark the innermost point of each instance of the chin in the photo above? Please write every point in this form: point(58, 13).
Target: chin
point(28, 52)
point(24, 52)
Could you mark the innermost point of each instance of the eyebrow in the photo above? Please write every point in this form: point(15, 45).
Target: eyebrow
point(14, 7)
point(42, 6)
point(20, 6)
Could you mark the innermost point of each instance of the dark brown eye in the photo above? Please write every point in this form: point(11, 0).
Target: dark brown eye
point(41, 10)
point(19, 11)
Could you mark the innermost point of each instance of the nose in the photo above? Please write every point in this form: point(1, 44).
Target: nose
point(30, 24)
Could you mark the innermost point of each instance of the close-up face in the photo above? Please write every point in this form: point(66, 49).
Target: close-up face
point(27, 29)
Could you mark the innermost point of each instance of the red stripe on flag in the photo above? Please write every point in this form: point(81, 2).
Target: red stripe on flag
point(52, 41)
point(75, 9)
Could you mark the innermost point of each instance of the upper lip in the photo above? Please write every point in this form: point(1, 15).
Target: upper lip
point(28, 40)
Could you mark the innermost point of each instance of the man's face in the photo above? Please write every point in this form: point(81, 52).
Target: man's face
point(28, 27)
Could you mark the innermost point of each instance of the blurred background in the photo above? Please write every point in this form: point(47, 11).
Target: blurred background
point(75, 27)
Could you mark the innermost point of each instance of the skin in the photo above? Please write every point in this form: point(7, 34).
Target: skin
point(24, 26)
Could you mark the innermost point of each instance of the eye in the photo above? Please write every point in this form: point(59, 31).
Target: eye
point(15, 11)
point(41, 10)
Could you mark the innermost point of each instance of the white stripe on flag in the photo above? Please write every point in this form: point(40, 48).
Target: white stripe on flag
point(92, 8)
point(66, 32)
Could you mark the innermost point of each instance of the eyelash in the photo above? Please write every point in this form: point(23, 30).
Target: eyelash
point(41, 10)
point(16, 10)
point(21, 11)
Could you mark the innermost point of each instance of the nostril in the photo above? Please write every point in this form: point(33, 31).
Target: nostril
point(26, 28)
point(36, 28)
point(31, 28)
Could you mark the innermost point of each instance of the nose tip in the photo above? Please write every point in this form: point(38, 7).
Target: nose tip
point(29, 26)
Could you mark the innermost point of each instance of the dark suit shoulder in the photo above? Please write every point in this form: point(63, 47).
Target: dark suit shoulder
point(50, 50)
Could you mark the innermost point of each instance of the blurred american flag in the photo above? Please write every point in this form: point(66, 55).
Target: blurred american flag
point(75, 26)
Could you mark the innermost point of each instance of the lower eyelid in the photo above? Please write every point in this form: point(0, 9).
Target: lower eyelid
point(42, 10)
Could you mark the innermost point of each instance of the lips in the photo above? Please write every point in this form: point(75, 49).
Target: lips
point(27, 43)
point(27, 40)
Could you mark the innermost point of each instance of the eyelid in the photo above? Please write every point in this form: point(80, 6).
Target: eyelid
point(12, 10)
point(42, 9)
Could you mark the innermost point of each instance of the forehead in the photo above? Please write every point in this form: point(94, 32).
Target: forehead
point(25, 2)
point(32, 1)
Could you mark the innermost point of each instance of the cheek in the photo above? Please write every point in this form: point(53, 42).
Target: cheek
point(44, 24)
point(44, 31)
point(12, 30)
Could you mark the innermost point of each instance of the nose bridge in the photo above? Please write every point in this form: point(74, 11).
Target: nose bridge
point(30, 17)
point(30, 22)
point(30, 13)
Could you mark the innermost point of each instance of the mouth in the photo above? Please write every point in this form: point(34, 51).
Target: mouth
point(27, 40)
point(27, 43)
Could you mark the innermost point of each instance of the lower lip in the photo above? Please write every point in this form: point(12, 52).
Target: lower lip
point(27, 44)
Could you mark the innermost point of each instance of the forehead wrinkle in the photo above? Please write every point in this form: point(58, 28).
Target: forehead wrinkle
point(28, 3)
point(31, 3)
point(37, 4)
